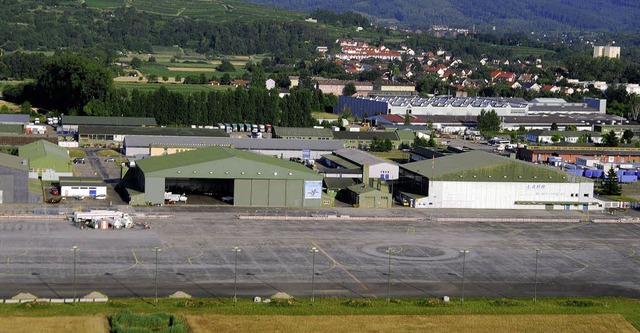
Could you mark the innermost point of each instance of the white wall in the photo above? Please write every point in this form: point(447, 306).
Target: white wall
point(498, 195)
point(384, 168)
point(84, 191)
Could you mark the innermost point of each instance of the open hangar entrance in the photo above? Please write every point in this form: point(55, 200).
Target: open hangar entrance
point(202, 190)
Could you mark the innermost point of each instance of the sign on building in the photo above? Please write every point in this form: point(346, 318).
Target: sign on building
point(313, 189)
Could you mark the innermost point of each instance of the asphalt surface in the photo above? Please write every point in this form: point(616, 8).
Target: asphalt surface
point(575, 259)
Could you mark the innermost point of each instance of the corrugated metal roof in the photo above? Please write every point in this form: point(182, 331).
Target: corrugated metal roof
point(340, 161)
point(284, 132)
point(249, 144)
point(156, 131)
point(211, 154)
point(14, 118)
point(43, 148)
point(108, 121)
point(486, 167)
point(345, 135)
point(360, 157)
point(13, 162)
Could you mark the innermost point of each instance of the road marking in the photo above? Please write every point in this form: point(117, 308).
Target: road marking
point(411, 231)
point(337, 264)
point(194, 257)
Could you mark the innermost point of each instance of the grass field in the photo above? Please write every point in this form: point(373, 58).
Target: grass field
point(181, 88)
point(365, 315)
point(386, 323)
point(218, 10)
point(95, 324)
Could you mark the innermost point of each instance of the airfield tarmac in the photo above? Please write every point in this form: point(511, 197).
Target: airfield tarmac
point(575, 258)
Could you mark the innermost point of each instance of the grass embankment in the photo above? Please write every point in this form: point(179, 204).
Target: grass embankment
point(75, 152)
point(404, 315)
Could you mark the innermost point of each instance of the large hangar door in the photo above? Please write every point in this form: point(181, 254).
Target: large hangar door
point(260, 192)
point(277, 193)
point(242, 192)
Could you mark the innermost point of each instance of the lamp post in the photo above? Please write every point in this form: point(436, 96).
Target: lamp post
point(235, 250)
point(156, 250)
point(313, 250)
point(535, 283)
point(75, 261)
point(464, 261)
point(389, 251)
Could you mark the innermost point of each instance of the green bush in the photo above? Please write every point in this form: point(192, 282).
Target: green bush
point(128, 322)
point(357, 303)
point(504, 302)
point(432, 302)
point(198, 303)
point(578, 303)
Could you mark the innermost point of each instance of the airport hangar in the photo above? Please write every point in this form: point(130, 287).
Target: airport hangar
point(481, 180)
point(251, 179)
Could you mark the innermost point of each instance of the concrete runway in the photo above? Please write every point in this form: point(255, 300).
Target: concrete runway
point(575, 259)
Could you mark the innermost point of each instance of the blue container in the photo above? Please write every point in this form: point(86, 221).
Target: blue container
point(588, 173)
point(628, 179)
point(598, 173)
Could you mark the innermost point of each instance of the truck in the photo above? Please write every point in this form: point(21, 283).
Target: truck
point(116, 219)
point(170, 197)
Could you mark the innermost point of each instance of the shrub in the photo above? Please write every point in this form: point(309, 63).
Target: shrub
point(432, 302)
point(128, 322)
point(578, 303)
point(357, 303)
point(197, 304)
point(504, 302)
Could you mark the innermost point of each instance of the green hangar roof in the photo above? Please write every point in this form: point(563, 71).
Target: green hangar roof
point(46, 155)
point(13, 162)
point(481, 166)
point(224, 162)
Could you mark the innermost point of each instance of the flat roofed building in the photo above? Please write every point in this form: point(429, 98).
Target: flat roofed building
point(118, 133)
point(82, 187)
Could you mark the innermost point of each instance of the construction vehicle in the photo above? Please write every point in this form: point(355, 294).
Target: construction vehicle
point(104, 219)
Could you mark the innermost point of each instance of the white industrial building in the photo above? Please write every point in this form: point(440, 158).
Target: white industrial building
point(82, 187)
point(372, 166)
point(480, 180)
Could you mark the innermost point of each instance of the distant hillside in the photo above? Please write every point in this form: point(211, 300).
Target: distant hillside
point(513, 15)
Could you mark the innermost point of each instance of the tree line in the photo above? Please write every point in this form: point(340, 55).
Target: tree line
point(73, 84)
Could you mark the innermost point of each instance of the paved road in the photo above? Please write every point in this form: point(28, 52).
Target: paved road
point(574, 259)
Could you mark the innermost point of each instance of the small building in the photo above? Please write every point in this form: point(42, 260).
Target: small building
point(569, 153)
point(371, 165)
point(364, 196)
point(14, 179)
point(118, 133)
point(90, 187)
point(47, 160)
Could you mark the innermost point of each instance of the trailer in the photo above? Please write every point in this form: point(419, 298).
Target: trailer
point(80, 216)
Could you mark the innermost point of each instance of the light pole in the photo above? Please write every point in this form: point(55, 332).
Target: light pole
point(235, 250)
point(75, 261)
point(314, 250)
point(389, 251)
point(464, 261)
point(156, 250)
point(535, 283)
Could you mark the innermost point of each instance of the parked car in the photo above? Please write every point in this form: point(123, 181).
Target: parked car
point(55, 191)
point(101, 197)
point(110, 159)
point(78, 160)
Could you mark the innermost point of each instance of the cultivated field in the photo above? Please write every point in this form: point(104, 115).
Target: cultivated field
point(95, 324)
point(401, 323)
point(181, 88)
